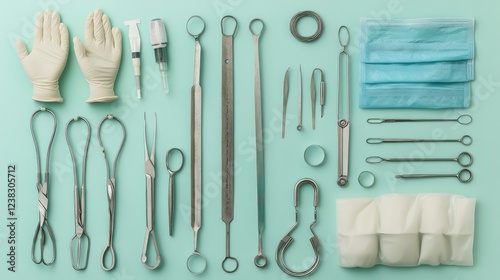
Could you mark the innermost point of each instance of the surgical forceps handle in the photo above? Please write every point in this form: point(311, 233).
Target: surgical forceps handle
point(111, 188)
point(196, 145)
point(465, 140)
point(149, 166)
point(464, 176)
point(299, 124)
point(228, 135)
point(464, 159)
point(43, 200)
point(285, 100)
point(343, 124)
point(464, 119)
point(260, 260)
point(79, 201)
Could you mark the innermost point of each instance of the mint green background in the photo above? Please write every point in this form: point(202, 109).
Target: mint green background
point(284, 163)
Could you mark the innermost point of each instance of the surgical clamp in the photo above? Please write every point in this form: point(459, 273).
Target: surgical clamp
point(43, 199)
point(149, 168)
point(465, 140)
point(196, 114)
point(228, 137)
point(462, 119)
point(313, 96)
point(287, 239)
point(260, 260)
point(464, 159)
point(285, 100)
point(171, 188)
point(343, 124)
point(110, 187)
point(463, 176)
point(80, 236)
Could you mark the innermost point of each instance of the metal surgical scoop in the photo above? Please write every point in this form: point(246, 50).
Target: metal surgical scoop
point(149, 168)
point(43, 199)
point(343, 124)
point(110, 187)
point(228, 136)
point(80, 237)
point(196, 114)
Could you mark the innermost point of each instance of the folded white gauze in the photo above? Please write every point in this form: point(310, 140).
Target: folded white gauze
point(46, 62)
point(406, 230)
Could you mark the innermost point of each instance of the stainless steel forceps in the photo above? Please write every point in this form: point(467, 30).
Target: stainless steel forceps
point(343, 124)
point(43, 199)
point(111, 187)
point(80, 237)
point(149, 168)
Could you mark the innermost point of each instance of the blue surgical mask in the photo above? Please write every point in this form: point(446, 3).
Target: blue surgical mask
point(416, 63)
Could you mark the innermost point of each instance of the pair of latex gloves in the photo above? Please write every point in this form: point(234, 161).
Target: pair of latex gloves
point(99, 58)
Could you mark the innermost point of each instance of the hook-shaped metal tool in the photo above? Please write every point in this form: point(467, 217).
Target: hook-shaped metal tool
point(287, 239)
point(321, 95)
point(80, 239)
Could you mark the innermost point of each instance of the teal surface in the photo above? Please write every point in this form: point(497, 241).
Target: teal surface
point(284, 158)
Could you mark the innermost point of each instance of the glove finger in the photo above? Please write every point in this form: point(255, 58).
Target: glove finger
point(117, 40)
point(98, 29)
point(55, 21)
point(22, 52)
point(38, 29)
point(80, 51)
point(108, 36)
point(89, 28)
point(46, 26)
point(63, 31)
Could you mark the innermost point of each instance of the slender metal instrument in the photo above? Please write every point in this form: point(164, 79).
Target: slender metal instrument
point(43, 199)
point(228, 137)
point(299, 124)
point(463, 176)
point(464, 159)
point(462, 119)
point(196, 140)
point(80, 239)
point(111, 188)
point(285, 100)
point(313, 95)
point(260, 260)
point(343, 123)
point(149, 169)
point(465, 140)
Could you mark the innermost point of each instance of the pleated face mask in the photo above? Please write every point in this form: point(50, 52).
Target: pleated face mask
point(416, 63)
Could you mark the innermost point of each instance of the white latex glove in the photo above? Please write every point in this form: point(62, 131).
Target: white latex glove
point(100, 58)
point(45, 64)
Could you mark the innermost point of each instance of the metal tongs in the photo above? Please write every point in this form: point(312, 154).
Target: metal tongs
point(343, 123)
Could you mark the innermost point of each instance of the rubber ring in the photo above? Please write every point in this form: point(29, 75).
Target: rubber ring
point(314, 155)
point(366, 179)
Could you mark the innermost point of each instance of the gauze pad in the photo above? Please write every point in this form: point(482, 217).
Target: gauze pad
point(406, 230)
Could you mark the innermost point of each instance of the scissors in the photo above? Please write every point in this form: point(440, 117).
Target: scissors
point(80, 237)
point(111, 187)
point(196, 139)
point(43, 199)
point(149, 168)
